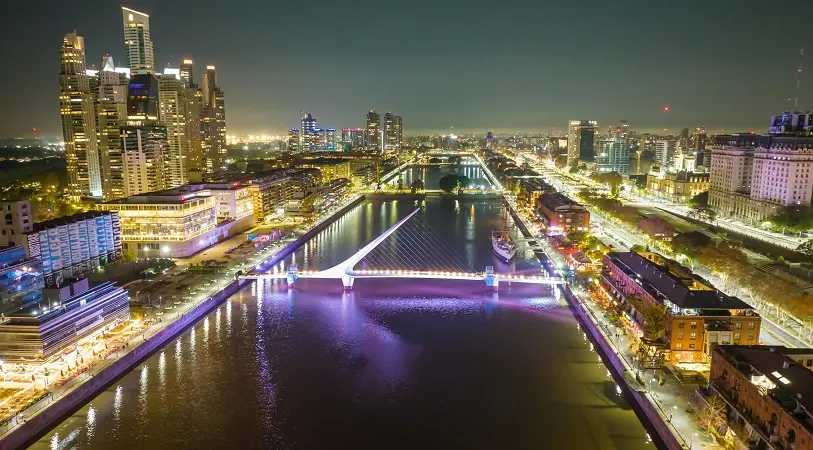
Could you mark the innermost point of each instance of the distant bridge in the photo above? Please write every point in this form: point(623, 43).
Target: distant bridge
point(346, 271)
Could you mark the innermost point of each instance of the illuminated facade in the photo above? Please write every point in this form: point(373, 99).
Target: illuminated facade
point(330, 168)
point(613, 155)
point(172, 114)
point(182, 221)
point(187, 73)
point(78, 113)
point(111, 108)
point(665, 151)
point(562, 213)
point(213, 122)
point(373, 131)
point(71, 246)
point(355, 137)
point(140, 55)
point(269, 194)
point(677, 187)
point(697, 315)
point(21, 279)
point(145, 168)
point(581, 141)
point(393, 131)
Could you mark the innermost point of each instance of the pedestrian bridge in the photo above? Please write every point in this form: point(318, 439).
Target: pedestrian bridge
point(419, 247)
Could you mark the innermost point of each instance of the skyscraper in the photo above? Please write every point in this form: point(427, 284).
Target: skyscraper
point(373, 131)
point(140, 57)
point(78, 114)
point(213, 122)
point(293, 140)
point(393, 131)
point(355, 137)
point(613, 155)
point(307, 131)
point(144, 141)
point(581, 141)
point(172, 113)
point(187, 73)
point(665, 150)
point(111, 109)
point(193, 97)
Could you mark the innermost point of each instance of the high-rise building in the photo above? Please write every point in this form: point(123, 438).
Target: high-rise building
point(17, 220)
point(581, 141)
point(144, 140)
point(307, 132)
point(393, 131)
point(172, 114)
point(665, 151)
point(193, 109)
point(330, 139)
point(213, 122)
point(78, 112)
point(373, 131)
point(187, 73)
point(293, 140)
point(140, 56)
point(111, 109)
point(613, 155)
point(355, 137)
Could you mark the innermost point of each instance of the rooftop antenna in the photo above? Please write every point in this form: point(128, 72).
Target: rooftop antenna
point(799, 78)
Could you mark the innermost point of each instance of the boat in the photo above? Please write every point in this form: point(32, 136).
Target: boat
point(502, 245)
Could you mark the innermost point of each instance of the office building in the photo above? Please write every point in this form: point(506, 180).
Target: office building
point(193, 109)
point(71, 246)
point(356, 138)
point(78, 113)
point(581, 142)
point(145, 168)
point(753, 176)
point(17, 220)
point(768, 391)
point(307, 133)
point(182, 221)
point(293, 140)
point(613, 155)
point(331, 140)
point(213, 122)
point(677, 187)
point(665, 151)
point(187, 73)
point(561, 213)
point(111, 109)
point(393, 131)
point(40, 330)
point(698, 316)
point(172, 115)
point(21, 279)
point(373, 131)
point(139, 51)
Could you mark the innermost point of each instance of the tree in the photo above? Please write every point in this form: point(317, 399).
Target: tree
point(794, 217)
point(576, 235)
point(703, 212)
point(455, 159)
point(560, 161)
point(701, 199)
point(690, 244)
point(806, 248)
point(611, 179)
point(451, 182)
point(574, 169)
point(657, 228)
point(435, 160)
point(712, 414)
point(416, 186)
point(638, 248)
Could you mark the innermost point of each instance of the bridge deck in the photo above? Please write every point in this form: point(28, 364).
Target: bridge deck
point(361, 274)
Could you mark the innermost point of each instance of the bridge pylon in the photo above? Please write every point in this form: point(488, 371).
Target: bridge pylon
point(490, 280)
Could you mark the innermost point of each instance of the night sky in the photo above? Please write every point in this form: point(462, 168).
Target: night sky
point(472, 65)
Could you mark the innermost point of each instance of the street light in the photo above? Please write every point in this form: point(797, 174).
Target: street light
point(672, 413)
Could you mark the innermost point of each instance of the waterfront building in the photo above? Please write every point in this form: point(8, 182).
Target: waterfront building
point(111, 109)
point(17, 220)
point(767, 390)
point(562, 213)
point(753, 176)
point(677, 187)
point(330, 168)
point(269, 193)
point(373, 131)
point(21, 279)
point(78, 113)
point(698, 316)
point(213, 122)
point(581, 142)
point(71, 246)
point(172, 115)
point(139, 51)
point(355, 137)
point(665, 151)
point(530, 189)
point(613, 155)
point(182, 221)
point(393, 131)
point(40, 330)
point(364, 177)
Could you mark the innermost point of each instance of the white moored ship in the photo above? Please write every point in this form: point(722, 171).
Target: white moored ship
point(502, 245)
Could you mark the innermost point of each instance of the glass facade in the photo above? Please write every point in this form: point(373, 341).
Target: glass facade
point(165, 221)
point(21, 280)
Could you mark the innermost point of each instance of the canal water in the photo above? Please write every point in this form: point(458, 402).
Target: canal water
point(431, 175)
point(392, 364)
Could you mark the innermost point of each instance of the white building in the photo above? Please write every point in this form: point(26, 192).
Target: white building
point(171, 113)
point(140, 56)
point(665, 151)
point(16, 220)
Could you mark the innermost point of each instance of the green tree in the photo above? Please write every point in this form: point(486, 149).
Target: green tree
point(560, 161)
point(416, 186)
point(451, 182)
point(703, 212)
point(701, 199)
point(690, 244)
point(576, 236)
point(806, 248)
point(794, 217)
point(638, 248)
point(611, 179)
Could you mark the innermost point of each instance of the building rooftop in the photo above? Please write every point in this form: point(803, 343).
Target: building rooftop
point(793, 383)
point(553, 200)
point(59, 221)
point(680, 286)
point(180, 194)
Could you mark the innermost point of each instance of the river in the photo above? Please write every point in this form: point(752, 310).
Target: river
point(391, 364)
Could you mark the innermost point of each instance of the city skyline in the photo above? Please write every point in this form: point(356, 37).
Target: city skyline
point(706, 76)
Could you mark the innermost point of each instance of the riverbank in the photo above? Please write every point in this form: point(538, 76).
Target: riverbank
point(658, 430)
point(47, 413)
